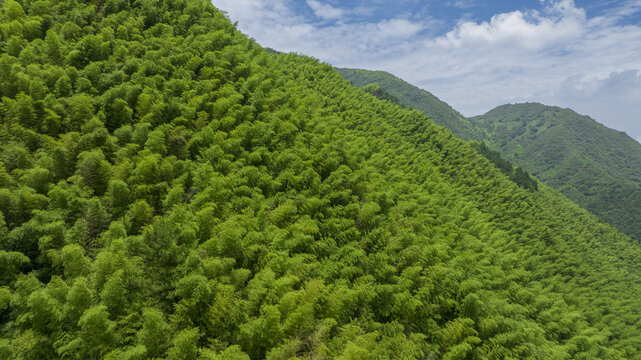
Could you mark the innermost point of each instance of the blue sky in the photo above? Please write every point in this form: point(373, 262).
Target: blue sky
point(473, 54)
point(447, 13)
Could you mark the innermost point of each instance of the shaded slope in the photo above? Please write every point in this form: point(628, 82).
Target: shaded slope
point(381, 93)
point(597, 167)
point(179, 192)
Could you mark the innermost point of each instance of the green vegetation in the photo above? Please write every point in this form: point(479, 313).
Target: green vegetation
point(516, 174)
point(381, 93)
point(395, 89)
point(415, 98)
point(169, 189)
point(596, 167)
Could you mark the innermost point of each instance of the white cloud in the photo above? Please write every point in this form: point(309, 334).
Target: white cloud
point(265, 11)
point(557, 55)
point(398, 28)
point(616, 97)
point(325, 11)
point(461, 4)
point(630, 7)
point(531, 29)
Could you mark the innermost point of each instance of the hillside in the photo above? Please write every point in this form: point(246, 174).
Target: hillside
point(415, 98)
point(169, 189)
point(597, 167)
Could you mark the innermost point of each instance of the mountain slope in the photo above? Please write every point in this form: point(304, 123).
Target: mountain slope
point(597, 167)
point(169, 189)
point(411, 96)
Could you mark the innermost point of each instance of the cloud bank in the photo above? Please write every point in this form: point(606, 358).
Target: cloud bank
point(556, 55)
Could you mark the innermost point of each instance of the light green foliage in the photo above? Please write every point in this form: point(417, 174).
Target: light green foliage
point(154, 335)
point(184, 345)
point(113, 293)
point(139, 215)
point(233, 352)
point(78, 300)
point(5, 299)
point(96, 333)
point(594, 166)
point(74, 261)
point(402, 93)
point(119, 196)
point(170, 190)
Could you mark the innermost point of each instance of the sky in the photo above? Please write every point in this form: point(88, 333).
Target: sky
point(472, 54)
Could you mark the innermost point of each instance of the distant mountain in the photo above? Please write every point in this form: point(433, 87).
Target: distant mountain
point(381, 93)
point(416, 98)
point(596, 167)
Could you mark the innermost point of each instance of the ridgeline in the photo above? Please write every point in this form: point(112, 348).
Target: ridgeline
point(596, 167)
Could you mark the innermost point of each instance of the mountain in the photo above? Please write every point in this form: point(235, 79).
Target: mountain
point(415, 98)
point(381, 94)
point(596, 167)
point(170, 189)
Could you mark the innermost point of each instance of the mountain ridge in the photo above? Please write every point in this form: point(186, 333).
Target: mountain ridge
point(595, 166)
point(442, 113)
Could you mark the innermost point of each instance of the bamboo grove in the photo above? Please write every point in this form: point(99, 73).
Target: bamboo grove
point(169, 189)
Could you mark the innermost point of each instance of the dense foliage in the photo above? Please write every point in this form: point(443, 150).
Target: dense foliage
point(416, 98)
point(516, 174)
point(169, 189)
point(597, 167)
point(434, 108)
point(381, 93)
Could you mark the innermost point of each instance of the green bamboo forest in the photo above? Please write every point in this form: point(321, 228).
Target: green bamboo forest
point(413, 97)
point(594, 166)
point(171, 190)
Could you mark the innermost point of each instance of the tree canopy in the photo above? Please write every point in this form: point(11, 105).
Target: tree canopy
point(596, 167)
point(169, 189)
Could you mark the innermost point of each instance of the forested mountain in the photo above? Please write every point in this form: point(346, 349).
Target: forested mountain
point(169, 189)
point(596, 167)
point(415, 98)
